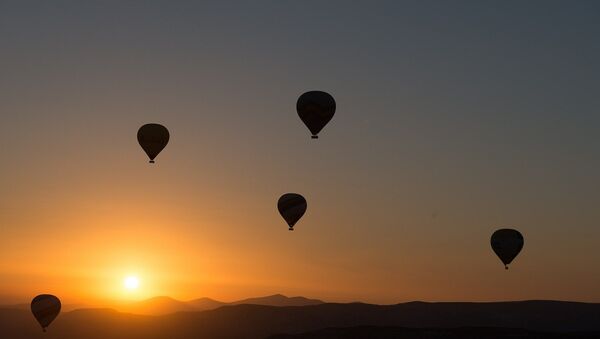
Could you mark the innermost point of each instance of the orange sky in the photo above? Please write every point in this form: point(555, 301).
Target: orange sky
point(443, 134)
point(188, 231)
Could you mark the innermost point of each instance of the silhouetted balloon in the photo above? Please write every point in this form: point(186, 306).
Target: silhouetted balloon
point(153, 138)
point(507, 243)
point(291, 206)
point(316, 109)
point(45, 308)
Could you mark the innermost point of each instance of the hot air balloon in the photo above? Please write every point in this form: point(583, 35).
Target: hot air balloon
point(291, 206)
point(316, 109)
point(153, 138)
point(507, 243)
point(45, 308)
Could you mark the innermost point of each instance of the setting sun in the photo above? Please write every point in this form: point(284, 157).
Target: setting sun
point(338, 169)
point(131, 283)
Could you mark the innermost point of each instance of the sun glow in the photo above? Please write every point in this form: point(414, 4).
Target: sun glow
point(131, 283)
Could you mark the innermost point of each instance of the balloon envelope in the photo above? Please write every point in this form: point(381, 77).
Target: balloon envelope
point(507, 243)
point(291, 206)
point(45, 308)
point(153, 138)
point(316, 109)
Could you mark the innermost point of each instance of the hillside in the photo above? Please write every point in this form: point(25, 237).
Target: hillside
point(167, 305)
point(373, 332)
point(278, 300)
point(257, 321)
point(158, 306)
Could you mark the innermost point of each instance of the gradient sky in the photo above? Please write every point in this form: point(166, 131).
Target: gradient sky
point(453, 119)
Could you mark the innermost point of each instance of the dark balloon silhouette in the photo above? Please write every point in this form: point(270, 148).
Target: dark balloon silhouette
point(507, 243)
point(45, 308)
point(316, 109)
point(291, 206)
point(153, 138)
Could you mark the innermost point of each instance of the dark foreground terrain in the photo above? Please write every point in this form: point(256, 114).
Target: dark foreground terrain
point(372, 332)
point(527, 319)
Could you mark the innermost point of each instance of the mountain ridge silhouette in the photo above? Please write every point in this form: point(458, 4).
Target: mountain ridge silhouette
point(260, 321)
point(162, 305)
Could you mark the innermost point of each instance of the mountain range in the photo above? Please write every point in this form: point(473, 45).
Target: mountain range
point(163, 305)
point(166, 305)
point(532, 319)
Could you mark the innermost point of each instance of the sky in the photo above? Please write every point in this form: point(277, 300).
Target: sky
point(453, 119)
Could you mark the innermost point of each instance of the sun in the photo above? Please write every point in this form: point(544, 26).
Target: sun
point(131, 282)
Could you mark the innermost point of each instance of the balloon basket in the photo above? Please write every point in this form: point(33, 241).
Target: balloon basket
point(151, 161)
point(291, 229)
point(314, 137)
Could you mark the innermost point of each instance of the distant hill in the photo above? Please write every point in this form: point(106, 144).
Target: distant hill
point(165, 305)
point(157, 306)
point(204, 304)
point(278, 300)
point(259, 321)
point(65, 307)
